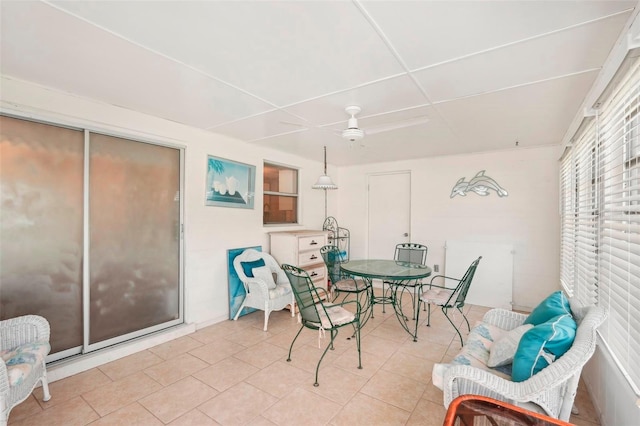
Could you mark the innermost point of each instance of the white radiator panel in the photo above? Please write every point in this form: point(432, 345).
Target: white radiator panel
point(492, 285)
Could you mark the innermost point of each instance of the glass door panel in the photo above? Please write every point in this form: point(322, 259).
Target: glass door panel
point(41, 236)
point(134, 248)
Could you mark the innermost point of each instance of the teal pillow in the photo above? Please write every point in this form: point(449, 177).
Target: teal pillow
point(541, 345)
point(555, 304)
point(247, 267)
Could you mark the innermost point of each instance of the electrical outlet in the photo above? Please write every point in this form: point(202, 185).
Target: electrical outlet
point(436, 268)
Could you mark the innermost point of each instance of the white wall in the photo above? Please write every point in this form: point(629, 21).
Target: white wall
point(527, 218)
point(209, 231)
point(613, 398)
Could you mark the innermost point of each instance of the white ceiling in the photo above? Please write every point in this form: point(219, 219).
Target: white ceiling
point(280, 73)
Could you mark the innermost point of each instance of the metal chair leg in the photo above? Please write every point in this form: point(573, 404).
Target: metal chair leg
point(444, 310)
point(334, 333)
point(294, 340)
point(465, 318)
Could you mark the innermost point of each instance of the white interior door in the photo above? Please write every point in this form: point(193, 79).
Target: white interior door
point(389, 213)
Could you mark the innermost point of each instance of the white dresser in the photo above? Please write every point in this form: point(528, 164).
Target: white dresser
point(302, 249)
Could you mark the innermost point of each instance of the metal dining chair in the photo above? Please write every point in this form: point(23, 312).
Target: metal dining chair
point(322, 316)
point(342, 284)
point(407, 252)
point(449, 297)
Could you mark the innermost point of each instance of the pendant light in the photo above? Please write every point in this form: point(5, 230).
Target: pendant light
point(324, 181)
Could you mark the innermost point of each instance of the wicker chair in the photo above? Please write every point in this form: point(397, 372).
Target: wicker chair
point(552, 390)
point(24, 345)
point(264, 293)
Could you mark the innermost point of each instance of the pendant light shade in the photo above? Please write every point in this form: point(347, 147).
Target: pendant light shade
point(324, 181)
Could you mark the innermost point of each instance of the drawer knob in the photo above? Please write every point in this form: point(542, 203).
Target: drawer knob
point(313, 243)
point(313, 257)
point(313, 274)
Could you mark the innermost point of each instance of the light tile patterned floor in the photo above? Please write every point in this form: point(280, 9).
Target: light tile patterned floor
point(233, 373)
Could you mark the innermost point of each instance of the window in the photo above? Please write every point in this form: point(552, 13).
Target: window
point(600, 206)
point(280, 194)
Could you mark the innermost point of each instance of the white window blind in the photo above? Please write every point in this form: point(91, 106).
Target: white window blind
point(579, 267)
point(619, 242)
point(567, 224)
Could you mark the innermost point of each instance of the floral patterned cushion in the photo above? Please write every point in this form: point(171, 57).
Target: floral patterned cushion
point(20, 361)
point(475, 352)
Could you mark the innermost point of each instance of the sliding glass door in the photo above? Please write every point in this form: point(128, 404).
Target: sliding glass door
point(134, 244)
point(90, 233)
point(41, 216)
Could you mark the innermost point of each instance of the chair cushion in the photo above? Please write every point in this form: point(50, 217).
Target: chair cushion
point(474, 353)
point(350, 284)
point(503, 349)
point(264, 273)
point(336, 313)
point(247, 267)
point(555, 304)
point(541, 345)
point(278, 291)
point(21, 360)
point(437, 296)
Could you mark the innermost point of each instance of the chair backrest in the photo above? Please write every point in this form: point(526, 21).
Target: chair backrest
point(411, 252)
point(307, 295)
point(460, 293)
point(331, 256)
point(252, 255)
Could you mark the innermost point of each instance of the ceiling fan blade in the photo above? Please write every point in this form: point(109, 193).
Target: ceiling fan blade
point(415, 121)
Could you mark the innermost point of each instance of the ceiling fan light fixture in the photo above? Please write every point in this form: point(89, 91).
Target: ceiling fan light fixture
point(352, 135)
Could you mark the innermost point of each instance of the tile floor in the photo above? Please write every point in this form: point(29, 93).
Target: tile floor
point(233, 373)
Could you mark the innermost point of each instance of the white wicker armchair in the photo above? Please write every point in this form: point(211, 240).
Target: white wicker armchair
point(258, 293)
point(552, 390)
point(24, 344)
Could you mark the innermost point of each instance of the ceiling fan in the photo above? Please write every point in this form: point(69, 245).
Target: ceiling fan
point(353, 133)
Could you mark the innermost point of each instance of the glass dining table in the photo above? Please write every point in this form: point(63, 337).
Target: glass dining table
point(404, 278)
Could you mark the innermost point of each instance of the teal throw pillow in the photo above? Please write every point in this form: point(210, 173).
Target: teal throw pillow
point(247, 267)
point(542, 345)
point(555, 304)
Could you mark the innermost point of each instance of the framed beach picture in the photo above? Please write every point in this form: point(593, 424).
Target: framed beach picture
point(229, 183)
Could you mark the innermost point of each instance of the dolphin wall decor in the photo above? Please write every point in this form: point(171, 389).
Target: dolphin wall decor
point(480, 184)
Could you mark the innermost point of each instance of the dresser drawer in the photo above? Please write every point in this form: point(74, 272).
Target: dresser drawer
point(316, 274)
point(312, 242)
point(309, 258)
